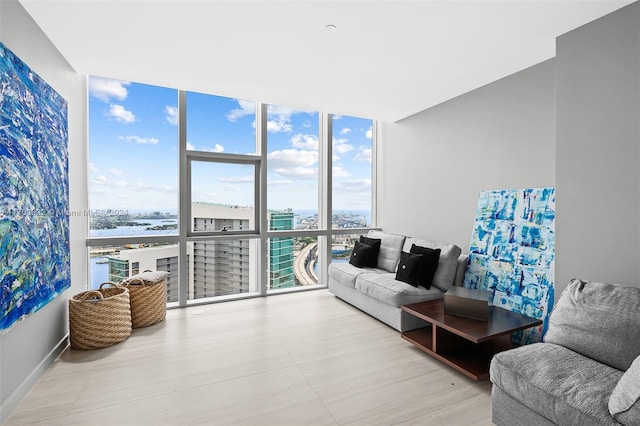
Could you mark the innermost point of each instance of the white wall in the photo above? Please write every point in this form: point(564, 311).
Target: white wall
point(508, 135)
point(598, 151)
point(435, 163)
point(30, 346)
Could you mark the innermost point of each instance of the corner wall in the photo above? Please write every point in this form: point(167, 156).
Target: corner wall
point(435, 163)
point(27, 349)
point(598, 151)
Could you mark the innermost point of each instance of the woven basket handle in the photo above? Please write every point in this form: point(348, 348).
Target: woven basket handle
point(90, 294)
point(134, 281)
point(110, 283)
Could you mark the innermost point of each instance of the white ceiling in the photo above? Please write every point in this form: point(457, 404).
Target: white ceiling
point(386, 60)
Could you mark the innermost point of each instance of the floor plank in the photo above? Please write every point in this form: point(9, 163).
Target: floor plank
point(301, 358)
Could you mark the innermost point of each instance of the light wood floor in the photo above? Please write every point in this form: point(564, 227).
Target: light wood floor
point(304, 358)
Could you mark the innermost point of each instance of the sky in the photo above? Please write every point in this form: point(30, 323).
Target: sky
point(133, 151)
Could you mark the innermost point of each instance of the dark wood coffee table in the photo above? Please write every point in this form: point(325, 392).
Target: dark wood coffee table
point(463, 343)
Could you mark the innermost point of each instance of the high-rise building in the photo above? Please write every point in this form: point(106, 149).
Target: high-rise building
point(221, 267)
point(216, 267)
point(281, 257)
point(133, 260)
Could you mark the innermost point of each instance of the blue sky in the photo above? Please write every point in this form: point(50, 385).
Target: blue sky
point(133, 151)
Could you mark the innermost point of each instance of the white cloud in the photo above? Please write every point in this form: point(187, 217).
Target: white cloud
point(345, 131)
point(279, 125)
point(280, 182)
point(279, 118)
point(354, 185)
point(337, 117)
point(282, 111)
point(339, 171)
point(291, 158)
point(246, 108)
point(121, 114)
point(138, 139)
point(242, 179)
point(106, 89)
point(231, 188)
point(216, 148)
point(172, 114)
point(369, 133)
point(298, 172)
point(293, 163)
point(121, 183)
point(143, 186)
point(364, 155)
point(92, 167)
point(340, 145)
point(116, 172)
point(304, 141)
point(101, 178)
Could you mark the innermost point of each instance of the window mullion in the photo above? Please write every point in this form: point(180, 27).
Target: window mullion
point(184, 204)
point(326, 205)
point(263, 257)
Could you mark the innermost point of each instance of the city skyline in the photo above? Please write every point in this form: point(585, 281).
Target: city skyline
point(134, 151)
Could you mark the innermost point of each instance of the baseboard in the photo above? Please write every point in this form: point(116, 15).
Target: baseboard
point(14, 399)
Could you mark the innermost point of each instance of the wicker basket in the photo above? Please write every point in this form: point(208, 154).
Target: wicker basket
point(148, 301)
point(99, 318)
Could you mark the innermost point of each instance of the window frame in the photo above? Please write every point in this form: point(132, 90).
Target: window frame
point(213, 158)
point(261, 231)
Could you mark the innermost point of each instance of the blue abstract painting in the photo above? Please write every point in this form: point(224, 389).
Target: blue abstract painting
point(512, 253)
point(34, 191)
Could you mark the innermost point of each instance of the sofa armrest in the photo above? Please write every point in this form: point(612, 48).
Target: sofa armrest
point(461, 268)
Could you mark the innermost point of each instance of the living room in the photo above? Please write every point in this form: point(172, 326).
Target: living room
point(569, 122)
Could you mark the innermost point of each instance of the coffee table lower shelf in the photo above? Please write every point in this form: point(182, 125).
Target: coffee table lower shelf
point(471, 360)
point(467, 345)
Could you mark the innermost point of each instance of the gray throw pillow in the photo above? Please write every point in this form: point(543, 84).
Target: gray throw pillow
point(624, 404)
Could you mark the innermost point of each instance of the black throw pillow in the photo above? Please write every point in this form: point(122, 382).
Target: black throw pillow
point(429, 264)
point(372, 261)
point(409, 268)
point(360, 254)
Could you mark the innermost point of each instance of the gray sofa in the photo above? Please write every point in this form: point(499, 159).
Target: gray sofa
point(377, 292)
point(587, 370)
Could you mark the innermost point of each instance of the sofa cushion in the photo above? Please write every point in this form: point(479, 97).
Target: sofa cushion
point(390, 248)
point(346, 273)
point(385, 288)
point(624, 404)
point(447, 262)
point(372, 259)
point(360, 254)
point(599, 321)
point(559, 384)
point(430, 258)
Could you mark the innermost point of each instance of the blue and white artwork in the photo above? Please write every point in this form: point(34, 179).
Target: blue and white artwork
point(34, 191)
point(512, 253)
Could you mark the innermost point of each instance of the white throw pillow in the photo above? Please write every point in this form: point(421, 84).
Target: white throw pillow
point(624, 403)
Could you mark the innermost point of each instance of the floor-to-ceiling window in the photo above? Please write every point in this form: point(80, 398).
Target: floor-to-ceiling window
point(232, 197)
point(133, 181)
point(293, 201)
